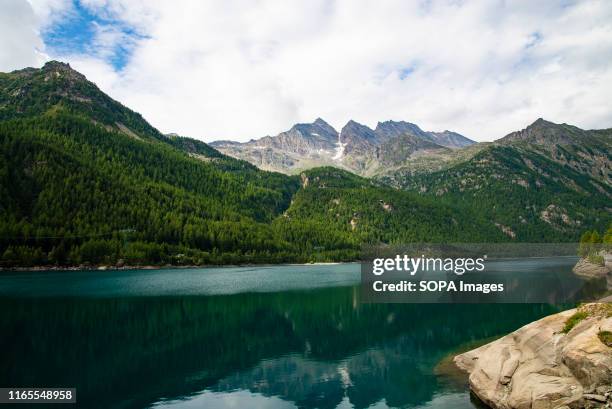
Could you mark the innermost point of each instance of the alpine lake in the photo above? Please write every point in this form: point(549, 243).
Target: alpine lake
point(241, 337)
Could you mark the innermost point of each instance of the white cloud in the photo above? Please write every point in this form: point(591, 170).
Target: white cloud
point(21, 45)
point(49, 11)
point(242, 69)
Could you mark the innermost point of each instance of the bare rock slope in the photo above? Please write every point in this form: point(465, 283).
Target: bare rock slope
point(540, 366)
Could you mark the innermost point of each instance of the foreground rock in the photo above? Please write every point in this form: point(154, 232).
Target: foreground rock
point(541, 367)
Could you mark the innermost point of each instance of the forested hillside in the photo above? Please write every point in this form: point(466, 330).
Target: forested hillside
point(369, 213)
point(548, 182)
point(85, 180)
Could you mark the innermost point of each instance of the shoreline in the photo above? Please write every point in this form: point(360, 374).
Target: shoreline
point(104, 267)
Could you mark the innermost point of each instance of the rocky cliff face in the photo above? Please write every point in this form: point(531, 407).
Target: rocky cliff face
point(303, 139)
point(561, 361)
point(359, 146)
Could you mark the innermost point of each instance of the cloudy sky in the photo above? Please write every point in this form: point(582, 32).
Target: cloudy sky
point(237, 69)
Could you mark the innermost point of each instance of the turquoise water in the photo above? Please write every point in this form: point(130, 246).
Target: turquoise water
point(249, 337)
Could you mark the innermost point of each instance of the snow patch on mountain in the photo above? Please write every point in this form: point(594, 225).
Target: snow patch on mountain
point(339, 149)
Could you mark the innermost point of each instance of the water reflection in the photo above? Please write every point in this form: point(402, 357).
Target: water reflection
point(315, 348)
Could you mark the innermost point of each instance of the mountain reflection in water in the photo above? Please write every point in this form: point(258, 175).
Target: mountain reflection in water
point(316, 348)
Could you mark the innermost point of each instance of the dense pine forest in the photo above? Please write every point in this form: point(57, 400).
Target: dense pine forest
point(86, 181)
point(524, 190)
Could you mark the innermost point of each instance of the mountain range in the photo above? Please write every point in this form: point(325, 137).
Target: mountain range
point(356, 147)
point(85, 180)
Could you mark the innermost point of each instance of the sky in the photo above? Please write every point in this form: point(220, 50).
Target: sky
point(238, 70)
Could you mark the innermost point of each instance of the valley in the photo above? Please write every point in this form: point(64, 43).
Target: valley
point(86, 181)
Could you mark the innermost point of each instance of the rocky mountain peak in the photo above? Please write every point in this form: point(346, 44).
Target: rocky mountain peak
point(314, 142)
point(541, 121)
point(325, 127)
point(388, 130)
point(357, 139)
point(355, 129)
point(540, 124)
point(58, 69)
point(546, 133)
point(319, 130)
point(450, 139)
point(392, 129)
point(321, 122)
point(396, 128)
point(57, 86)
point(57, 65)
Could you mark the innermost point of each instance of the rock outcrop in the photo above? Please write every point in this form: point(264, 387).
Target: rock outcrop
point(539, 366)
point(591, 270)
